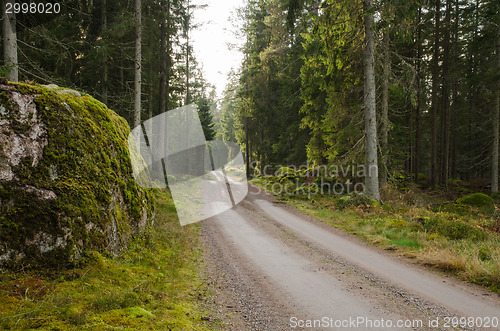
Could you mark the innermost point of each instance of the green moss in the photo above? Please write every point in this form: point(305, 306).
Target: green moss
point(154, 285)
point(476, 200)
point(87, 165)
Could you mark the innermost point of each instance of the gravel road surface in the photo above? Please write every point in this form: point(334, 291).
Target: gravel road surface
point(273, 268)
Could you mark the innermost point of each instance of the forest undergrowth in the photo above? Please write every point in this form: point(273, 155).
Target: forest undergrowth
point(155, 284)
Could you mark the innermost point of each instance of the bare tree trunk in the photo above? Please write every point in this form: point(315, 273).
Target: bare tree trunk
point(445, 121)
point(104, 84)
point(385, 108)
point(247, 149)
point(188, 95)
point(454, 114)
point(163, 68)
point(496, 127)
point(435, 100)
point(371, 181)
point(10, 43)
point(151, 103)
point(164, 82)
point(472, 94)
point(168, 58)
point(419, 97)
point(187, 100)
point(138, 64)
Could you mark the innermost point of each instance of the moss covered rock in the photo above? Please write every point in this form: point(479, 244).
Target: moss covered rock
point(66, 182)
point(476, 200)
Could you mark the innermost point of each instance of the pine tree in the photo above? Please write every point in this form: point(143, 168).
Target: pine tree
point(206, 118)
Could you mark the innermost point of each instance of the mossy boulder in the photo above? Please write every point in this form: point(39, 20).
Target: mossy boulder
point(66, 184)
point(480, 200)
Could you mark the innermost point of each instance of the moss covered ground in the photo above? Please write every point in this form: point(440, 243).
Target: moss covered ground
point(460, 237)
point(154, 285)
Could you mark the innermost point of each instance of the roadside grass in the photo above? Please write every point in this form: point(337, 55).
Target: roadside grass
point(153, 285)
point(457, 239)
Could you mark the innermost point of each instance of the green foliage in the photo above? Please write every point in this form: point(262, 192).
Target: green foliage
point(230, 126)
point(4, 70)
point(406, 242)
point(453, 228)
point(476, 200)
point(90, 47)
point(353, 200)
point(267, 98)
point(331, 89)
point(206, 118)
point(329, 62)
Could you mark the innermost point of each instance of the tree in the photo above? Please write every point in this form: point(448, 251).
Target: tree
point(138, 63)
point(445, 121)
point(435, 95)
point(105, 68)
point(206, 118)
point(371, 179)
point(10, 42)
point(188, 54)
point(229, 127)
point(269, 93)
point(496, 124)
point(384, 128)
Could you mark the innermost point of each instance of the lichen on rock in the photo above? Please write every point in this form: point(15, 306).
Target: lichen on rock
point(66, 182)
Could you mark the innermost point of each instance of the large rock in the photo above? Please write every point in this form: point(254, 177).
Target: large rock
point(66, 182)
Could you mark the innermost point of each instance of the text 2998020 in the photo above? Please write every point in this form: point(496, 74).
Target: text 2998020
point(32, 8)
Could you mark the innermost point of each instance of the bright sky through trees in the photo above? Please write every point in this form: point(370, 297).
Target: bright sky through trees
point(210, 40)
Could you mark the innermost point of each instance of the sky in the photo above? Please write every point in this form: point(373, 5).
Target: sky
point(210, 40)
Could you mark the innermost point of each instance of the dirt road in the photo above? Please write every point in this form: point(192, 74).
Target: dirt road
point(273, 268)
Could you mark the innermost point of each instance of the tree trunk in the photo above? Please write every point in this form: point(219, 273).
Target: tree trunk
point(385, 108)
point(188, 95)
point(247, 149)
point(371, 181)
point(418, 107)
point(187, 101)
point(10, 43)
point(104, 84)
point(435, 97)
point(445, 121)
point(472, 94)
point(163, 68)
point(496, 127)
point(164, 82)
point(454, 114)
point(138, 64)
point(168, 56)
point(151, 101)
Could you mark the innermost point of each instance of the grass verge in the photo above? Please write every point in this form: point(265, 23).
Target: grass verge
point(457, 239)
point(153, 285)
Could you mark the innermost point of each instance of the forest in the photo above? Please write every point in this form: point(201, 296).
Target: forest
point(134, 56)
point(316, 71)
point(407, 90)
point(411, 87)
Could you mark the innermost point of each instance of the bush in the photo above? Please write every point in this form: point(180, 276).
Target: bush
point(453, 229)
point(495, 195)
point(353, 200)
point(476, 200)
